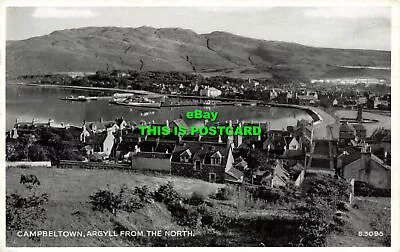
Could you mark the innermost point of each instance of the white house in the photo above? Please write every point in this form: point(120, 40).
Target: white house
point(210, 92)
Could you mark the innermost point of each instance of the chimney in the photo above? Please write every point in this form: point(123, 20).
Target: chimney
point(101, 119)
point(219, 138)
point(167, 123)
point(365, 156)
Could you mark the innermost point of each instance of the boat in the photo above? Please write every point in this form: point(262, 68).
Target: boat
point(122, 95)
point(80, 98)
point(138, 102)
point(115, 100)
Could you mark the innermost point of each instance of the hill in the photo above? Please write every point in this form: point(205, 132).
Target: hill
point(235, 222)
point(174, 49)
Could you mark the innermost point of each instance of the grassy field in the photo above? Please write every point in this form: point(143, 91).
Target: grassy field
point(69, 191)
point(68, 209)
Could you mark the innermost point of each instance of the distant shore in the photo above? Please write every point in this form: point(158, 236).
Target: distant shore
point(141, 92)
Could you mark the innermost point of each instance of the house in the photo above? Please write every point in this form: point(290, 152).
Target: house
point(102, 142)
point(291, 143)
point(178, 123)
point(361, 132)
point(277, 177)
point(335, 103)
point(211, 162)
point(240, 164)
point(346, 133)
point(280, 175)
point(210, 92)
point(233, 175)
point(362, 165)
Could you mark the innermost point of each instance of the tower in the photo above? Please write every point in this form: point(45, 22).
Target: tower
point(359, 113)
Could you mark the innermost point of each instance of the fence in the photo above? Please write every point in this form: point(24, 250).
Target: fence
point(92, 165)
point(29, 164)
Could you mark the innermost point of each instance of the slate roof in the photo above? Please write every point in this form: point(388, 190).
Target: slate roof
point(96, 139)
point(236, 174)
point(202, 151)
point(180, 123)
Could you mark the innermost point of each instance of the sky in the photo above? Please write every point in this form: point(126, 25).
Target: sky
point(333, 27)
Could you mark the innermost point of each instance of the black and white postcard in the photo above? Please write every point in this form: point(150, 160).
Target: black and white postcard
point(199, 125)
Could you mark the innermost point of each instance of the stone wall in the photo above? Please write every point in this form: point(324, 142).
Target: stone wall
point(187, 170)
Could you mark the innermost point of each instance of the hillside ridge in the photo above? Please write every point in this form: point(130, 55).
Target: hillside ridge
point(89, 49)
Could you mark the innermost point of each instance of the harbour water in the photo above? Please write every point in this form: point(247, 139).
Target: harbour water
point(42, 104)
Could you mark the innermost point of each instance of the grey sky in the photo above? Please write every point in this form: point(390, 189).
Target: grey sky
point(346, 27)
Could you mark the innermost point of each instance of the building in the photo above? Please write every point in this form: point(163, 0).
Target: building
point(151, 161)
point(101, 143)
point(362, 165)
point(291, 143)
point(346, 133)
point(278, 176)
point(361, 132)
point(210, 92)
point(211, 162)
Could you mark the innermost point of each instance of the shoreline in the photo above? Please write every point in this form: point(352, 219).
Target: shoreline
point(309, 110)
point(319, 118)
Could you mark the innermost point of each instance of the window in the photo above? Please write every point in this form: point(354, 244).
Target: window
point(197, 165)
point(212, 177)
point(216, 161)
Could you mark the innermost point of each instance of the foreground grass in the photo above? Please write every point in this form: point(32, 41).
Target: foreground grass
point(68, 207)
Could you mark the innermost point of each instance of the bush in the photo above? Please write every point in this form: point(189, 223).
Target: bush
point(365, 189)
point(184, 215)
point(224, 193)
point(322, 194)
point(267, 194)
point(166, 193)
point(143, 193)
point(25, 212)
point(105, 200)
point(127, 199)
point(214, 219)
point(197, 198)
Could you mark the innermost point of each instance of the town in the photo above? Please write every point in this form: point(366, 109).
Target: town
point(281, 155)
point(262, 126)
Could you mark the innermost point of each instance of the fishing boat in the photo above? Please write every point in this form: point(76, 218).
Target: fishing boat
point(80, 98)
point(139, 102)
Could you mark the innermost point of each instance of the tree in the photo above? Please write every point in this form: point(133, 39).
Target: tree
point(27, 142)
